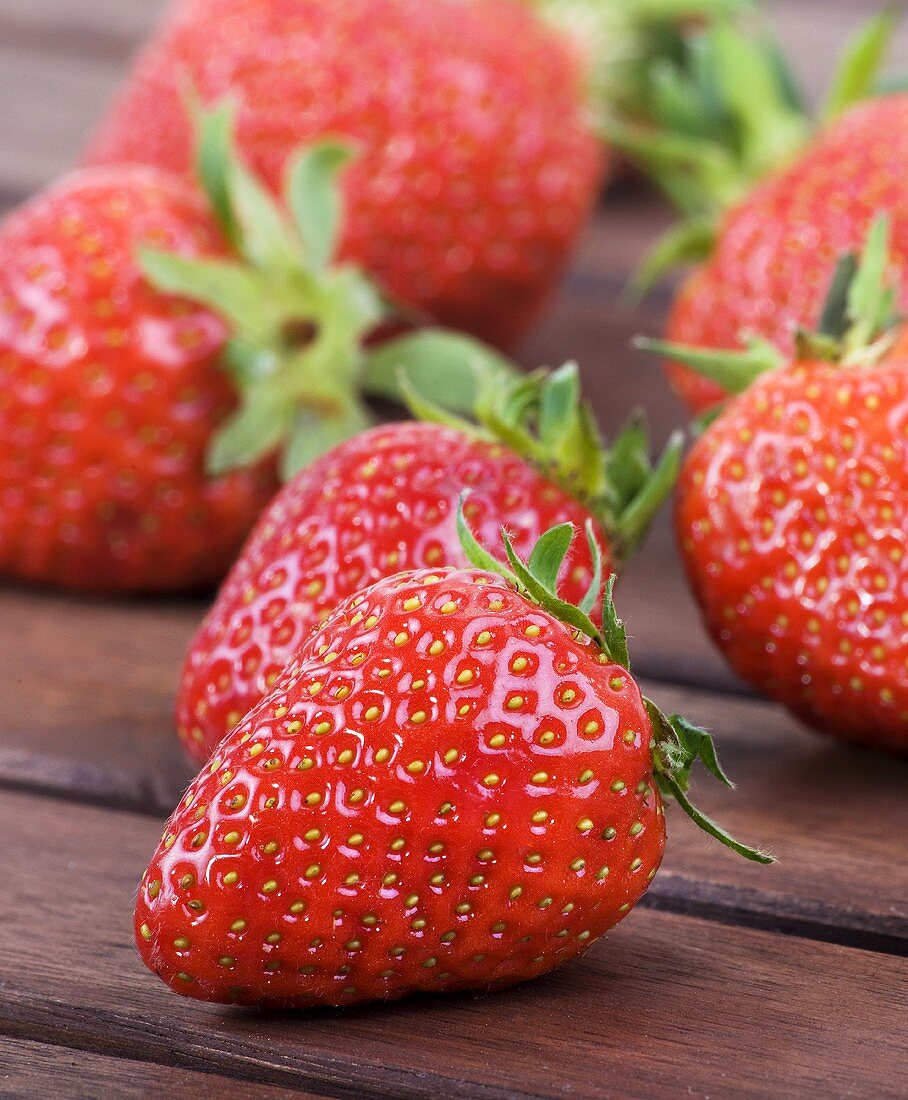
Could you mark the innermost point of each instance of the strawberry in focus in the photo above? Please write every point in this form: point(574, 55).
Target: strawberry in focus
point(455, 784)
point(792, 513)
point(385, 501)
point(478, 162)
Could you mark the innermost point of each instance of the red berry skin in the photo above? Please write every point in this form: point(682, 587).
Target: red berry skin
point(110, 393)
point(377, 504)
point(792, 516)
point(445, 790)
point(771, 269)
point(478, 163)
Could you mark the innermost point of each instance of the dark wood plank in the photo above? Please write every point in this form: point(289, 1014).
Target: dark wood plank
point(37, 1070)
point(654, 1010)
point(61, 59)
point(85, 712)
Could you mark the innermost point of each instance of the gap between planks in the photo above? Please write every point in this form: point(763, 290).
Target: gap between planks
point(819, 1010)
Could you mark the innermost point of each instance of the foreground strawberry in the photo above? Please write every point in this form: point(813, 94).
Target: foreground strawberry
point(793, 516)
point(140, 431)
point(478, 164)
point(455, 784)
point(385, 501)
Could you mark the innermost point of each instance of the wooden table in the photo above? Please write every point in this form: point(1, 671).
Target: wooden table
point(730, 980)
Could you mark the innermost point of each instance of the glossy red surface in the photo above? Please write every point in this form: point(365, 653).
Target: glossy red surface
point(793, 521)
point(478, 165)
point(773, 264)
point(377, 504)
point(110, 393)
point(444, 790)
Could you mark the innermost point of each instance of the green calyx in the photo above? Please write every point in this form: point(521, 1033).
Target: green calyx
point(857, 325)
point(624, 39)
point(677, 744)
point(542, 418)
point(724, 114)
point(297, 319)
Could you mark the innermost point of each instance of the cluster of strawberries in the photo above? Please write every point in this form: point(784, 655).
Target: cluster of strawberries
point(426, 764)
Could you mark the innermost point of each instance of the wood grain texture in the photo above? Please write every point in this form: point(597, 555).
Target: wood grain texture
point(659, 1008)
point(60, 60)
point(60, 1073)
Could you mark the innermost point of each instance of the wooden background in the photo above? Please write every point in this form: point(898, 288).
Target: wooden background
point(730, 980)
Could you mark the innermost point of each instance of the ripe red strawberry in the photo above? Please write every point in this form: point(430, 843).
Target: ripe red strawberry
point(478, 165)
point(768, 272)
point(449, 787)
point(138, 430)
point(385, 501)
point(770, 197)
point(793, 521)
point(110, 392)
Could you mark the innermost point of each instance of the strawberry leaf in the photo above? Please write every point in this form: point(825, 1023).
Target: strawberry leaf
point(313, 436)
point(699, 745)
point(614, 634)
point(734, 371)
point(475, 553)
point(859, 67)
point(548, 555)
point(230, 290)
point(547, 600)
point(712, 828)
point(262, 423)
point(314, 200)
point(677, 744)
point(592, 593)
point(215, 128)
point(447, 365)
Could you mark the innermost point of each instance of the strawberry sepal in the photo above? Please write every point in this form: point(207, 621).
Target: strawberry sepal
point(626, 39)
point(857, 327)
point(298, 320)
point(724, 114)
point(542, 418)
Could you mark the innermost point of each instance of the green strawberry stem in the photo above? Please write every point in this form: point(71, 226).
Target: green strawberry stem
point(625, 40)
point(724, 116)
point(543, 418)
point(857, 324)
point(297, 319)
point(677, 744)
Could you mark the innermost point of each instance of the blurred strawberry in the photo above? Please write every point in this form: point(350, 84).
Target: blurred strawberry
point(628, 44)
point(767, 204)
point(155, 359)
point(478, 161)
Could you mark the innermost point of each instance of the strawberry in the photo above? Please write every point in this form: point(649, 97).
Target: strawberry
point(139, 429)
point(627, 42)
point(454, 784)
point(767, 274)
point(478, 162)
point(792, 515)
point(770, 198)
point(385, 501)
